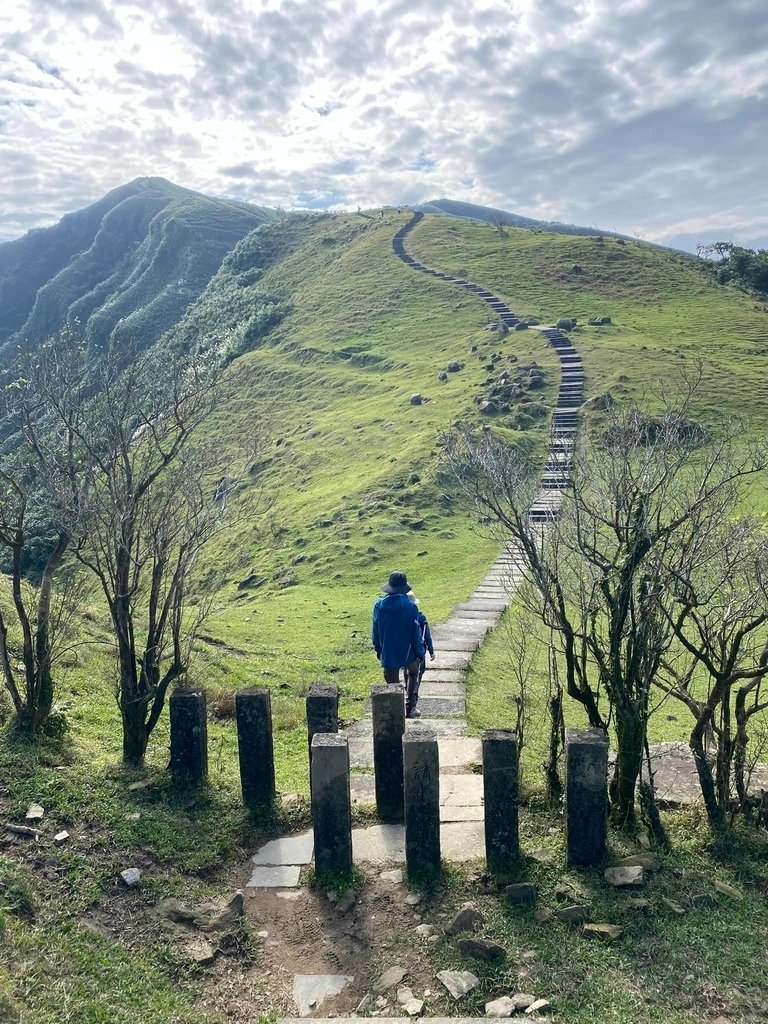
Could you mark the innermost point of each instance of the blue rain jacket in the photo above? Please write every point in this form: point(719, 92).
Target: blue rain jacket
point(426, 634)
point(396, 635)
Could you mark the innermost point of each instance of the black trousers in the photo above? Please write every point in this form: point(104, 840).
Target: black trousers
point(412, 672)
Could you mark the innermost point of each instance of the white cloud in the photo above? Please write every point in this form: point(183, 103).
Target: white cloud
point(639, 116)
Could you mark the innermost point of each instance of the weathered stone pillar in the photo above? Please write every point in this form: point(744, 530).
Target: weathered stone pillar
point(322, 714)
point(331, 804)
point(253, 711)
point(586, 795)
point(388, 712)
point(189, 734)
point(502, 847)
point(421, 792)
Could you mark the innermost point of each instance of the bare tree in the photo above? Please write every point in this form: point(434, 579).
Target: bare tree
point(637, 485)
point(152, 507)
point(719, 612)
point(41, 401)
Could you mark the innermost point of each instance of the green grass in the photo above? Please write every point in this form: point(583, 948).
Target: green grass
point(346, 488)
point(665, 967)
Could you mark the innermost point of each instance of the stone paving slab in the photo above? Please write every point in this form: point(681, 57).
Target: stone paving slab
point(287, 850)
point(451, 659)
point(470, 625)
point(477, 613)
point(385, 844)
point(453, 644)
point(311, 990)
point(436, 704)
point(363, 728)
point(442, 675)
point(450, 813)
point(461, 789)
point(283, 876)
point(454, 752)
point(409, 1020)
point(362, 789)
point(481, 605)
point(430, 689)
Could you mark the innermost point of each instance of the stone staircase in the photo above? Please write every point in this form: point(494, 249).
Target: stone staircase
point(443, 692)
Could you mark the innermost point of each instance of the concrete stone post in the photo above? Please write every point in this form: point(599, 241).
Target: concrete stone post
point(586, 795)
point(253, 711)
point(331, 804)
point(388, 712)
point(421, 792)
point(322, 714)
point(502, 845)
point(189, 735)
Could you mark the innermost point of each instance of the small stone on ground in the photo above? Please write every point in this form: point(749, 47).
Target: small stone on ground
point(458, 983)
point(468, 919)
point(482, 949)
point(310, 990)
point(621, 878)
point(130, 877)
point(391, 977)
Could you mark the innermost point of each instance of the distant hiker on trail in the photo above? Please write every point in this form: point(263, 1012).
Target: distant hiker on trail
point(426, 637)
point(396, 637)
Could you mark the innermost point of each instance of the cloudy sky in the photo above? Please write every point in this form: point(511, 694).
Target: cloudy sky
point(644, 116)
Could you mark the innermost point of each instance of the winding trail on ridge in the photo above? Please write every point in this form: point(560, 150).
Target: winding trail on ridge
point(443, 692)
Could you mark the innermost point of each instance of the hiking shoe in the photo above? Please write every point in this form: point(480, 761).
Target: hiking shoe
point(413, 713)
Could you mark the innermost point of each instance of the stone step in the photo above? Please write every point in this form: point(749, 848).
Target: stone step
point(430, 689)
point(453, 751)
point(443, 675)
point(363, 728)
point(483, 605)
point(451, 659)
point(440, 706)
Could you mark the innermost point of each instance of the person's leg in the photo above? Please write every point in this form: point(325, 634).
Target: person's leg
point(392, 676)
point(412, 692)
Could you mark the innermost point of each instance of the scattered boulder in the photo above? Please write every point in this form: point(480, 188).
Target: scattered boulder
point(131, 877)
point(468, 919)
point(413, 899)
point(458, 983)
point(673, 906)
point(727, 890)
point(538, 1006)
point(565, 324)
point(599, 321)
point(521, 894)
point(577, 269)
point(442, 375)
point(391, 977)
point(424, 930)
point(250, 583)
point(346, 902)
point(600, 403)
point(198, 951)
point(544, 915)
point(522, 326)
point(701, 899)
point(604, 932)
point(624, 878)
point(416, 399)
point(576, 914)
point(502, 1007)
point(488, 407)
point(646, 861)
point(454, 366)
point(220, 915)
point(413, 1007)
point(482, 949)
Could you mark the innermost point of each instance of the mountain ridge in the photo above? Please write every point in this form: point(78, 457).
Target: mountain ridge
point(124, 268)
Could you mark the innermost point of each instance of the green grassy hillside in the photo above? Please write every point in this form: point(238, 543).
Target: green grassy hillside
point(126, 268)
point(668, 317)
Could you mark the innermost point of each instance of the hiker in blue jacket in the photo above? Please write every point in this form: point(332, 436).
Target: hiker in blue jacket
point(397, 639)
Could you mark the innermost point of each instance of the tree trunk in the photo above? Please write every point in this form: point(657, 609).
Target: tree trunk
point(706, 779)
point(630, 735)
point(135, 735)
point(554, 783)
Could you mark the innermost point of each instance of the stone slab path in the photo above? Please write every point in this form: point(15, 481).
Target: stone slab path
point(443, 692)
point(276, 868)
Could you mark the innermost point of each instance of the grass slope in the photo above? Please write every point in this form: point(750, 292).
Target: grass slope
point(668, 317)
point(126, 268)
point(350, 468)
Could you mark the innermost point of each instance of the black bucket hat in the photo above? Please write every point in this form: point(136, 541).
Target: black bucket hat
point(397, 584)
